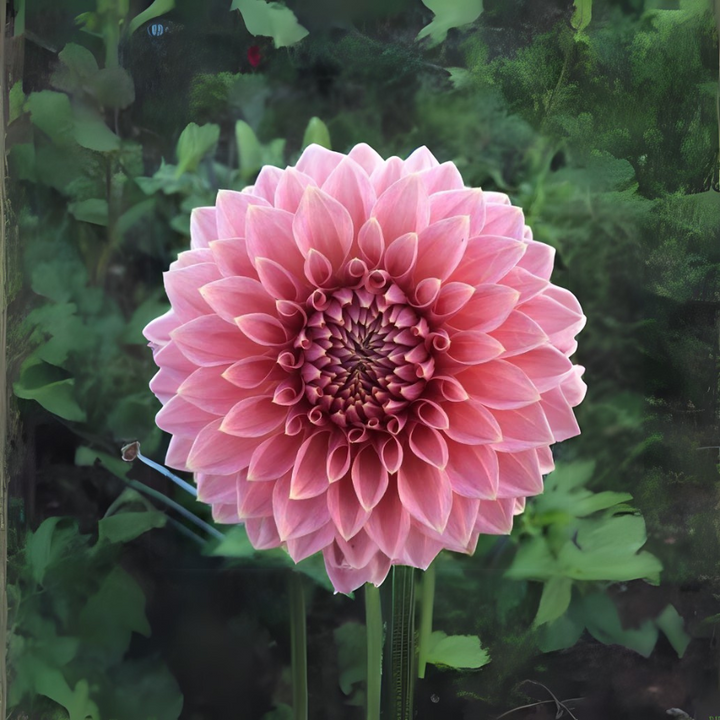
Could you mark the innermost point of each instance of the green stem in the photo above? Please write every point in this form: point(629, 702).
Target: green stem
point(298, 648)
point(374, 630)
point(427, 601)
point(401, 645)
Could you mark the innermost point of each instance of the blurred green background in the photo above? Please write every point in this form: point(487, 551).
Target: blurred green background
point(598, 117)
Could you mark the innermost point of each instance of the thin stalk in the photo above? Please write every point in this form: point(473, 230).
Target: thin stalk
point(427, 602)
point(298, 648)
point(374, 643)
point(162, 469)
point(401, 678)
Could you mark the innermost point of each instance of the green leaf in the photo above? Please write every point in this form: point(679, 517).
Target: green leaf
point(111, 615)
point(112, 87)
point(533, 561)
point(40, 550)
point(158, 8)
point(93, 211)
point(77, 66)
point(249, 149)
point(17, 101)
point(456, 651)
point(555, 600)
point(127, 526)
point(672, 625)
point(352, 663)
point(85, 456)
point(194, 143)
point(51, 683)
point(91, 132)
point(316, 133)
point(560, 634)
point(40, 381)
point(134, 214)
point(607, 549)
point(281, 712)
point(51, 112)
point(581, 15)
point(449, 14)
point(270, 19)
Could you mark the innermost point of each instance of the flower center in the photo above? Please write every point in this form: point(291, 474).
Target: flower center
point(364, 356)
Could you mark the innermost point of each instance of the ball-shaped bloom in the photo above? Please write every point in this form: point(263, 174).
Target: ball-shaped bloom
point(366, 358)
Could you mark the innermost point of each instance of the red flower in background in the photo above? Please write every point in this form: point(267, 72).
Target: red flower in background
point(253, 55)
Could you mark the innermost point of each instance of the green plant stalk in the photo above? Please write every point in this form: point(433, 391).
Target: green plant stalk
point(374, 644)
point(400, 646)
point(298, 648)
point(427, 602)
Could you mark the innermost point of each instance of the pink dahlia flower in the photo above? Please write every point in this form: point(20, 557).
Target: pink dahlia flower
point(366, 358)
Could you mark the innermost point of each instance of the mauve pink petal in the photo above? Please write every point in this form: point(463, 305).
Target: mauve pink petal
point(345, 578)
point(545, 460)
point(367, 158)
point(425, 492)
point(217, 488)
point(270, 235)
point(359, 550)
point(426, 292)
point(442, 177)
point(179, 417)
point(461, 524)
point(538, 259)
point(495, 516)
point(451, 299)
point(252, 371)
point(323, 224)
point(497, 198)
point(519, 506)
point(487, 259)
point(309, 476)
point(386, 174)
point(231, 257)
point(274, 457)
point(390, 452)
point(307, 545)
point(523, 428)
point(559, 415)
point(295, 518)
point(403, 208)
point(463, 201)
point(369, 477)
point(488, 308)
point(217, 452)
point(401, 255)
point(225, 513)
point(445, 387)
point(262, 533)
point(345, 510)
point(546, 366)
point(231, 297)
point(519, 334)
point(499, 384)
point(573, 387)
point(564, 297)
point(170, 357)
point(263, 329)
point(207, 389)
point(319, 270)
point(472, 348)
point(389, 523)
point(318, 162)
point(178, 450)
point(279, 282)
point(232, 208)
point(560, 322)
point(429, 445)
point(209, 340)
point(166, 382)
point(267, 182)
point(290, 189)
point(203, 227)
point(254, 417)
point(371, 243)
point(505, 220)
point(158, 330)
point(527, 284)
point(338, 457)
point(191, 257)
point(254, 499)
point(420, 159)
point(351, 187)
point(473, 470)
point(420, 549)
point(520, 474)
point(472, 423)
point(441, 246)
point(184, 289)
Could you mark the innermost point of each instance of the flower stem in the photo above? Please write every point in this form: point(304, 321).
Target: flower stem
point(401, 645)
point(427, 601)
point(298, 648)
point(374, 630)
